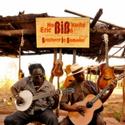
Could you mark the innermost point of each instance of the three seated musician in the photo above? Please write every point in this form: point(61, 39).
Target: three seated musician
point(76, 103)
point(41, 109)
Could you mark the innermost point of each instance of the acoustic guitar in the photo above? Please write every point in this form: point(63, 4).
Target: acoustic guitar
point(106, 76)
point(69, 78)
point(52, 75)
point(58, 64)
point(78, 117)
point(92, 103)
point(106, 72)
point(57, 69)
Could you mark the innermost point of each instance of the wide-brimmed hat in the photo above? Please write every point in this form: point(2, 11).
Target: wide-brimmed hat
point(76, 68)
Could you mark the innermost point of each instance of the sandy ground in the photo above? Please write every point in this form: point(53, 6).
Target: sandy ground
point(112, 109)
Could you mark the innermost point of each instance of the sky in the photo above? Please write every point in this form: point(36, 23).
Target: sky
point(113, 12)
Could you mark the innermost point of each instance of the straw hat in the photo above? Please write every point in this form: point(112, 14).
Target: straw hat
point(75, 69)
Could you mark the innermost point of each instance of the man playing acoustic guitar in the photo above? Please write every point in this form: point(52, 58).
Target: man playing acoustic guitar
point(85, 103)
point(35, 99)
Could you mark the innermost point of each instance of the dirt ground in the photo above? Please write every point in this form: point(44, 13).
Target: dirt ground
point(112, 109)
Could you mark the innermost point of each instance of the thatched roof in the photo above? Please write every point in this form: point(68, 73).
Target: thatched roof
point(11, 31)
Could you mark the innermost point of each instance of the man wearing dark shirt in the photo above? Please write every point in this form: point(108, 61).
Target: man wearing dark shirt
point(82, 89)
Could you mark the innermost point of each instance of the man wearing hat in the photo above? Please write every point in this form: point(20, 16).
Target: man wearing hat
point(73, 102)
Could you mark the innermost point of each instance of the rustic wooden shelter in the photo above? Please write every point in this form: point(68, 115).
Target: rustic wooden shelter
point(11, 28)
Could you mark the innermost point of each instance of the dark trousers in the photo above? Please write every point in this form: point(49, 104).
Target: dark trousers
point(22, 118)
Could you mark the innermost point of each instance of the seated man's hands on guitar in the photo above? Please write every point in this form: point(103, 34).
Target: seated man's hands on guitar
point(113, 85)
point(19, 100)
point(79, 108)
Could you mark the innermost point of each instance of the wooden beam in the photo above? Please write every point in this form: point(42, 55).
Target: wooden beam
point(123, 104)
point(118, 51)
point(91, 18)
point(96, 18)
point(17, 32)
point(109, 31)
point(25, 18)
point(118, 57)
point(33, 31)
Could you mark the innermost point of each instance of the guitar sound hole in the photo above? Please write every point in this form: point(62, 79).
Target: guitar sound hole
point(89, 104)
point(107, 78)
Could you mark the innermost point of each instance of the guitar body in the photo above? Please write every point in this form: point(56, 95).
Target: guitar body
point(69, 78)
point(77, 118)
point(68, 81)
point(57, 69)
point(106, 76)
point(106, 72)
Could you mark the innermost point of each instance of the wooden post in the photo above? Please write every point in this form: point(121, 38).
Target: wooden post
point(58, 83)
point(123, 104)
point(74, 56)
point(19, 63)
point(55, 57)
point(96, 18)
point(20, 72)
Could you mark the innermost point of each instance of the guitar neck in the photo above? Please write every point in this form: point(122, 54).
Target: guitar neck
point(106, 54)
point(107, 88)
point(106, 48)
point(100, 94)
point(60, 54)
point(50, 94)
point(41, 95)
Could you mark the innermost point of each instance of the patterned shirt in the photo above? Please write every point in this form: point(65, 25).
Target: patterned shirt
point(80, 92)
